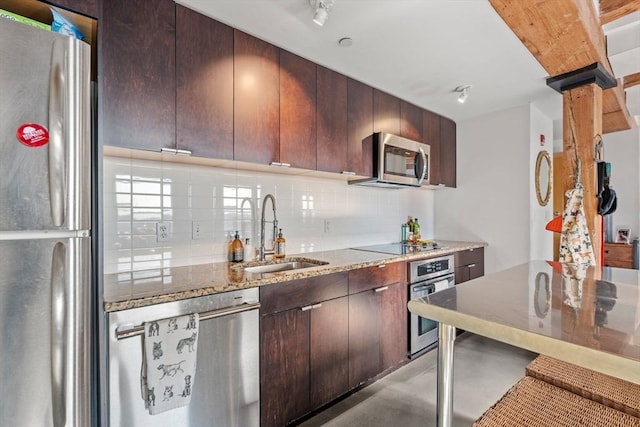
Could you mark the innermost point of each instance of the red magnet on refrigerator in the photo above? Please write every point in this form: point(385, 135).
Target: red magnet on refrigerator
point(32, 135)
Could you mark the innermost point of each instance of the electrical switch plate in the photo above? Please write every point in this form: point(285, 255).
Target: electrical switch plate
point(327, 226)
point(163, 231)
point(195, 230)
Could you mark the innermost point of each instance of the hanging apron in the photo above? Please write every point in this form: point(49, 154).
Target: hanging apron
point(575, 243)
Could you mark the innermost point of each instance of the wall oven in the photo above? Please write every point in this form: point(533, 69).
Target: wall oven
point(426, 277)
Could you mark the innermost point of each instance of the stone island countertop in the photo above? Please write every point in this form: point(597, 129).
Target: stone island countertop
point(134, 289)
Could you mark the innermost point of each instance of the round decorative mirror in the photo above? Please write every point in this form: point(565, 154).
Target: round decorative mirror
point(543, 178)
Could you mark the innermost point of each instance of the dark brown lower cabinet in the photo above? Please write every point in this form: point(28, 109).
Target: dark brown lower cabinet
point(304, 348)
point(377, 331)
point(469, 264)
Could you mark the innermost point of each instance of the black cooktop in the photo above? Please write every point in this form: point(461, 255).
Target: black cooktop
point(399, 248)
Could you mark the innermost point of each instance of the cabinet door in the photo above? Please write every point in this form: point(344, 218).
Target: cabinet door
point(204, 85)
point(138, 91)
point(476, 270)
point(364, 337)
point(448, 152)
point(386, 113)
point(360, 128)
point(461, 274)
point(85, 7)
point(256, 111)
point(410, 121)
point(329, 355)
point(331, 119)
point(284, 367)
point(431, 137)
point(393, 325)
point(297, 111)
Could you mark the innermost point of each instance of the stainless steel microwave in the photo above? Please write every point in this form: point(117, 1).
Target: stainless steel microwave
point(398, 162)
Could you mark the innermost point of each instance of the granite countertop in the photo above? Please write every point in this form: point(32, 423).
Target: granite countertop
point(147, 287)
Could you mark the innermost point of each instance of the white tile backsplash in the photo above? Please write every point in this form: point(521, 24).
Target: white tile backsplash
point(140, 193)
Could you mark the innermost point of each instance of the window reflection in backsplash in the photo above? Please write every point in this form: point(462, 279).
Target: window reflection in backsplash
point(316, 214)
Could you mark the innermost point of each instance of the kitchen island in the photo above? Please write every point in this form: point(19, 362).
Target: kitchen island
point(591, 321)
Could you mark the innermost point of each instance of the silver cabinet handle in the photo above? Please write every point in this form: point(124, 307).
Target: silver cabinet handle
point(349, 173)
point(58, 332)
point(310, 307)
point(471, 265)
point(382, 265)
point(282, 165)
point(206, 315)
point(381, 289)
point(57, 161)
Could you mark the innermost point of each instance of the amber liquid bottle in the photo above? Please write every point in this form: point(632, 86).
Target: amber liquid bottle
point(280, 245)
point(237, 249)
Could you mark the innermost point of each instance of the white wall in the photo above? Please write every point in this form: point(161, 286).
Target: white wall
point(541, 240)
point(139, 193)
point(495, 199)
point(622, 150)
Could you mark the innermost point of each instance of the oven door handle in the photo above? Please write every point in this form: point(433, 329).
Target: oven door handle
point(420, 288)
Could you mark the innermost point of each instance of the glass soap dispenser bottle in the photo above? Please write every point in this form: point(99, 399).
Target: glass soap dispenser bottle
point(237, 249)
point(280, 245)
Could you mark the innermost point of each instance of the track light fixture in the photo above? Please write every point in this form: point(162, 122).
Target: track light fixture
point(464, 93)
point(321, 8)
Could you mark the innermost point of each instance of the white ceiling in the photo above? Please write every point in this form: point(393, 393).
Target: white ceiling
point(418, 50)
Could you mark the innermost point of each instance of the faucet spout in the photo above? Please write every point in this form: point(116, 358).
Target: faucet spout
point(263, 251)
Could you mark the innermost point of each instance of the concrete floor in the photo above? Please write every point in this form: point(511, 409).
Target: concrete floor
point(483, 371)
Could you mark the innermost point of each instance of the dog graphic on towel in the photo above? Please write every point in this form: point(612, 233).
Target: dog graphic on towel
point(169, 370)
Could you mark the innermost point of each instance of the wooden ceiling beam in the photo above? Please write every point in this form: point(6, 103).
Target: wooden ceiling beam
point(631, 80)
point(610, 10)
point(565, 36)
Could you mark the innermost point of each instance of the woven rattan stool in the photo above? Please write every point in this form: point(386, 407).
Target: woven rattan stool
point(535, 403)
point(612, 392)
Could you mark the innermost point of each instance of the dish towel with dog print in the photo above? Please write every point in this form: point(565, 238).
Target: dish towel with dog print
point(169, 362)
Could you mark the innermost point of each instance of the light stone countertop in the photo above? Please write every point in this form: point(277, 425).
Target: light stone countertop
point(593, 322)
point(154, 286)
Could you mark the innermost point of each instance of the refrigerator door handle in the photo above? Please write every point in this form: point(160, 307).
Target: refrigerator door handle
point(57, 158)
point(58, 330)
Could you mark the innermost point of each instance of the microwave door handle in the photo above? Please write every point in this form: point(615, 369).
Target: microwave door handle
point(424, 165)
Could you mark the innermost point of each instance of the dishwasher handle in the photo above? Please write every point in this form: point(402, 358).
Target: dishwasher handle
point(206, 315)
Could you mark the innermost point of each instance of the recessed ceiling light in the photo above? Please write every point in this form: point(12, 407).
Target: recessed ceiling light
point(345, 42)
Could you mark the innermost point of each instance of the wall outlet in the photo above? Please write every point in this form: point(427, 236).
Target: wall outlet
point(163, 231)
point(327, 226)
point(195, 230)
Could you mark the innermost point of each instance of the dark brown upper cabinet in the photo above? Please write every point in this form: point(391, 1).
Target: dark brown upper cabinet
point(297, 111)
point(204, 85)
point(359, 128)
point(137, 74)
point(85, 7)
point(431, 137)
point(410, 121)
point(386, 113)
point(331, 121)
point(447, 152)
point(256, 109)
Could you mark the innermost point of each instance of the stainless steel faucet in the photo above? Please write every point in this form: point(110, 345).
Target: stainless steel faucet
point(263, 251)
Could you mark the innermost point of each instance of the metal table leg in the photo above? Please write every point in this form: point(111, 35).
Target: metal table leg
point(447, 335)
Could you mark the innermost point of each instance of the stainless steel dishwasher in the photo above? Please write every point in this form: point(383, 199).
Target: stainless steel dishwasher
point(226, 391)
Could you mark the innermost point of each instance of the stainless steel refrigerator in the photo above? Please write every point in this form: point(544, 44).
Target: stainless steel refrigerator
point(45, 228)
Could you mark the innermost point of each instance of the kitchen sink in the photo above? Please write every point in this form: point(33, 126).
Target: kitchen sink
point(282, 265)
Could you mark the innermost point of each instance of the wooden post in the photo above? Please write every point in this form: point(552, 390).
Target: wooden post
point(582, 123)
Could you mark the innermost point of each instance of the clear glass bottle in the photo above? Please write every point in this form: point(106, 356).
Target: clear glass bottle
point(237, 249)
point(280, 245)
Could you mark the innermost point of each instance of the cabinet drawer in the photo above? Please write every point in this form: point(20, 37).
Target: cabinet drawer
point(299, 293)
point(608, 262)
point(470, 256)
point(621, 252)
point(373, 277)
